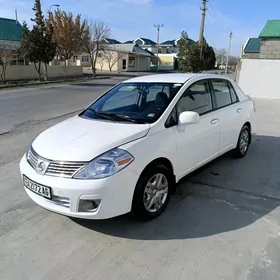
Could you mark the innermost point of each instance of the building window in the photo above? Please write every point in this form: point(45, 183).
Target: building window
point(85, 59)
point(131, 62)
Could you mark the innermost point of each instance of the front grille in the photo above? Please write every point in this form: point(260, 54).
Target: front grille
point(54, 168)
point(64, 169)
point(32, 158)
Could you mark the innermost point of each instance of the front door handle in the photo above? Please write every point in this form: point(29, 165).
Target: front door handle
point(238, 110)
point(214, 121)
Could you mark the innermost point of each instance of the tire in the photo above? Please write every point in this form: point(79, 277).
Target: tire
point(144, 194)
point(243, 143)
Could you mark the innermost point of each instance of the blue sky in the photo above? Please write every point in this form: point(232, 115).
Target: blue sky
point(129, 19)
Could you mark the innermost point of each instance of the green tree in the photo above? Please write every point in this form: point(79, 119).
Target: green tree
point(184, 49)
point(208, 57)
point(37, 45)
point(189, 55)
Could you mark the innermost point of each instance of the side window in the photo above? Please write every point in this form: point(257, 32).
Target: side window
point(221, 93)
point(233, 95)
point(196, 98)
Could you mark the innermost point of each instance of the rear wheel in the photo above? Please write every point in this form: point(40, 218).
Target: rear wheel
point(243, 142)
point(152, 192)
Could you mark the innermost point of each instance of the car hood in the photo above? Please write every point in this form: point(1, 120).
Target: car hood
point(80, 139)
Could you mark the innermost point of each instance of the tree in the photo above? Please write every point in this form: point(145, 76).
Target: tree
point(221, 56)
point(208, 57)
point(37, 44)
point(111, 57)
point(67, 32)
point(101, 60)
point(189, 55)
point(93, 41)
point(6, 56)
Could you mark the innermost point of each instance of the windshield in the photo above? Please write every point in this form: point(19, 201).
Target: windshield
point(133, 102)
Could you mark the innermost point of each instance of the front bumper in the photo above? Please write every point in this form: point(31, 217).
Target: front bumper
point(114, 193)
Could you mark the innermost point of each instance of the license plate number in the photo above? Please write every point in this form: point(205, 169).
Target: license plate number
point(37, 188)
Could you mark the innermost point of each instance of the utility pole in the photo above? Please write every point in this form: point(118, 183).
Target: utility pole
point(201, 33)
point(229, 46)
point(158, 27)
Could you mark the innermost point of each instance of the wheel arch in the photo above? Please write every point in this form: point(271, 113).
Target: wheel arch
point(163, 161)
point(250, 130)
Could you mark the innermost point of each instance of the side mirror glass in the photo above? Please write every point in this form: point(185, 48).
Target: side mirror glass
point(189, 117)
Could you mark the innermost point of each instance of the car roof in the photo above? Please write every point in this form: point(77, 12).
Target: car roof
point(172, 78)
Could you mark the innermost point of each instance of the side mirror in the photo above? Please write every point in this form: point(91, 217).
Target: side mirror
point(188, 117)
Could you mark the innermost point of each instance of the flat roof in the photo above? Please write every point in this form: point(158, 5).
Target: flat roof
point(172, 78)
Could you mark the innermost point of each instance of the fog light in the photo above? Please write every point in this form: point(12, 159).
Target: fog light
point(89, 205)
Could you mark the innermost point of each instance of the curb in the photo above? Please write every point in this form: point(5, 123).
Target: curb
point(28, 84)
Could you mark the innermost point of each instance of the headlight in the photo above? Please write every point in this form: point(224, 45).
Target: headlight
point(105, 165)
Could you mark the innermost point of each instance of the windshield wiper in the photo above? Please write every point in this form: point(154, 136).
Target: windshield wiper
point(102, 115)
point(115, 117)
point(124, 118)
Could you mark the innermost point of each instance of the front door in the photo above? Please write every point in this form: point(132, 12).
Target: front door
point(197, 143)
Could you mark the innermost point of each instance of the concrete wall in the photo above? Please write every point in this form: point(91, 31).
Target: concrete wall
point(260, 78)
point(103, 64)
point(270, 49)
point(28, 72)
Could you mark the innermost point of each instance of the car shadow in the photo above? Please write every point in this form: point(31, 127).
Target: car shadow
point(225, 195)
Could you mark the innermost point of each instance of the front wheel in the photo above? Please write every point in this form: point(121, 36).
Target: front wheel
point(243, 143)
point(152, 192)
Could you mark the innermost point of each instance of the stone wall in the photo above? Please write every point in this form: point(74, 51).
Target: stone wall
point(251, 55)
point(270, 49)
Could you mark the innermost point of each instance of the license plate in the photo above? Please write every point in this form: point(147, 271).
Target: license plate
point(37, 188)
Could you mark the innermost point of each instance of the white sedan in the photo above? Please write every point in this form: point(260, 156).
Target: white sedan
point(127, 150)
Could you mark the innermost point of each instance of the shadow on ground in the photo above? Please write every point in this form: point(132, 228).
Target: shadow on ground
point(226, 195)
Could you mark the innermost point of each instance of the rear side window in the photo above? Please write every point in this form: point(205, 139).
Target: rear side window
point(221, 93)
point(233, 95)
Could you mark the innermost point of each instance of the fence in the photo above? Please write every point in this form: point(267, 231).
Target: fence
point(28, 72)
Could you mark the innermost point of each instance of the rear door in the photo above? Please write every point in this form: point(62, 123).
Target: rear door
point(230, 112)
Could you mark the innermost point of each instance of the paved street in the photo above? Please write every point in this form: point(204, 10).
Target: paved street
point(223, 223)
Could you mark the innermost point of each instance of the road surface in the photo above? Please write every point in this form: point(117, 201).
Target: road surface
point(223, 222)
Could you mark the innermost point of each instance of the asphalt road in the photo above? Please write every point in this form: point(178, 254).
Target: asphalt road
point(18, 106)
point(223, 223)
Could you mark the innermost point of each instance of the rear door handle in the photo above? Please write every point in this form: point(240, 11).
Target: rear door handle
point(238, 110)
point(214, 121)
